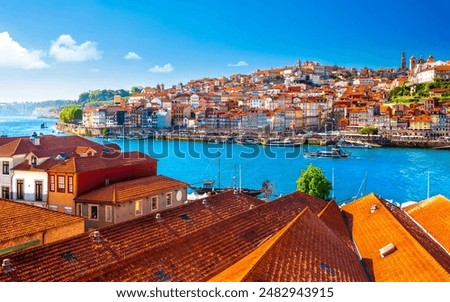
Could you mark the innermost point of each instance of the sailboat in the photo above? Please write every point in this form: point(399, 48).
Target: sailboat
point(209, 188)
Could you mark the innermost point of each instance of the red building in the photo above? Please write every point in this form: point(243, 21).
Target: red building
point(79, 175)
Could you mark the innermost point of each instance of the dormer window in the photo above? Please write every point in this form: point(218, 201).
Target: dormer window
point(33, 160)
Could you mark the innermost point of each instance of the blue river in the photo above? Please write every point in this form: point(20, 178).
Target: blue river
point(397, 174)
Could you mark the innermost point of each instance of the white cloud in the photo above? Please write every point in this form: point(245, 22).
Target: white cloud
point(65, 49)
point(132, 56)
point(239, 64)
point(164, 69)
point(12, 54)
point(95, 70)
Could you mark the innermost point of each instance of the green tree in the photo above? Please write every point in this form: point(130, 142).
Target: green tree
point(68, 114)
point(135, 90)
point(368, 130)
point(312, 181)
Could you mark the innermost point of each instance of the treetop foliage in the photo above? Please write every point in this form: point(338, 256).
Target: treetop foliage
point(312, 181)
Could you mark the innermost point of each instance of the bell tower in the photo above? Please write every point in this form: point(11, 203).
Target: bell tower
point(403, 62)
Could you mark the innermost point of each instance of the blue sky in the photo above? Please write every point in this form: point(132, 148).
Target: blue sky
point(59, 49)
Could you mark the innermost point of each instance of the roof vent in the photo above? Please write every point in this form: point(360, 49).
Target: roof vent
point(96, 235)
point(388, 249)
point(251, 206)
point(6, 266)
point(159, 218)
point(373, 208)
point(235, 191)
point(205, 203)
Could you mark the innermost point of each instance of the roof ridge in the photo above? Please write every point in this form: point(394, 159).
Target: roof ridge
point(276, 238)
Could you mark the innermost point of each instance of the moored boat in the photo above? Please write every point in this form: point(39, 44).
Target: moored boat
point(333, 152)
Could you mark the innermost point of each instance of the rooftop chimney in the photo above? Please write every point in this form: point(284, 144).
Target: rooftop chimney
point(35, 139)
point(96, 235)
point(6, 266)
point(388, 249)
point(205, 203)
point(373, 208)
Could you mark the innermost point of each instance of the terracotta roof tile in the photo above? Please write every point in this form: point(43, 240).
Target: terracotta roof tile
point(16, 147)
point(130, 190)
point(308, 251)
point(122, 241)
point(18, 219)
point(332, 217)
point(207, 252)
point(434, 215)
point(91, 163)
point(373, 231)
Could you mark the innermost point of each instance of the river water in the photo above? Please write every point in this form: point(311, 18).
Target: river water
point(396, 174)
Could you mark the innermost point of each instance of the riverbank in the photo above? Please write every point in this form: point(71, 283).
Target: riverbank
point(251, 137)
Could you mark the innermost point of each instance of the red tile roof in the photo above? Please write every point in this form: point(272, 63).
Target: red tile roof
point(434, 215)
point(375, 223)
point(207, 252)
point(131, 190)
point(82, 164)
point(48, 145)
point(331, 215)
point(308, 251)
point(16, 147)
point(18, 219)
point(121, 241)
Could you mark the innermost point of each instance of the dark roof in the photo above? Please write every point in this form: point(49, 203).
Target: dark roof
point(122, 241)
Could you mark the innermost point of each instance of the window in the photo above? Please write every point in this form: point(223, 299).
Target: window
point(20, 189)
point(38, 190)
point(79, 209)
point(33, 160)
point(61, 184)
point(138, 207)
point(52, 183)
point(70, 184)
point(168, 199)
point(5, 192)
point(53, 207)
point(68, 210)
point(155, 201)
point(6, 167)
point(108, 213)
point(93, 212)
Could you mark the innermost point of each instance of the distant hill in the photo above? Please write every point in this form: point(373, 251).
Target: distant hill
point(101, 95)
point(32, 108)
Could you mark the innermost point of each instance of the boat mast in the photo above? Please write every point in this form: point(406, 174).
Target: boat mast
point(240, 179)
point(428, 186)
point(332, 183)
point(219, 170)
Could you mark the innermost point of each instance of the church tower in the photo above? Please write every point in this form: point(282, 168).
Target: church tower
point(412, 63)
point(403, 63)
